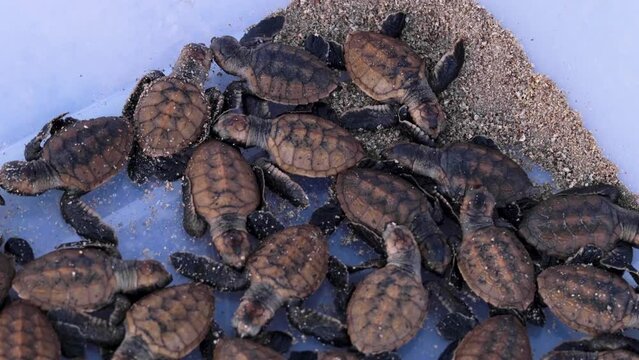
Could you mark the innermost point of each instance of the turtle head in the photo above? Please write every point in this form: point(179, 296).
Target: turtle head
point(230, 55)
point(428, 115)
point(149, 275)
point(233, 246)
point(477, 207)
point(256, 309)
point(28, 177)
point(233, 127)
point(194, 63)
point(420, 159)
point(401, 247)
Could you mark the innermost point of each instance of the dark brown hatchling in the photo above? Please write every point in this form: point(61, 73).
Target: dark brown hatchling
point(388, 70)
point(388, 307)
point(272, 71)
point(299, 144)
point(603, 347)
point(566, 222)
point(589, 299)
point(77, 157)
point(493, 262)
point(168, 323)
point(289, 265)
point(27, 334)
point(85, 280)
point(457, 167)
point(373, 198)
point(501, 337)
point(171, 114)
point(244, 349)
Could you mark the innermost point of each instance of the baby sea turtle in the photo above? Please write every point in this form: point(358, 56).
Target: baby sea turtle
point(244, 349)
point(324, 355)
point(501, 337)
point(168, 323)
point(374, 199)
point(275, 72)
point(566, 222)
point(290, 264)
point(491, 259)
point(589, 299)
point(458, 166)
point(17, 251)
point(389, 306)
point(171, 114)
point(86, 280)
point(602, 347)
point(77, 157)
point(388, 70)
point(299, 144)
point(27, 334)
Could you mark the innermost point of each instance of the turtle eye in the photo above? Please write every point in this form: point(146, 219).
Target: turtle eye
point(480, 200)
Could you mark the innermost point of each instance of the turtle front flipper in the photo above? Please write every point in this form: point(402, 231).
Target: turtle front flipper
point(194, 224)
point(326, 329)
point(202, 269)
point(262, 224)
point(370, 117)
point(328, 51)
point(76, 329)
point(216, 102)
point(140, 167)
point(121, 304)
point(85, 221)
point(33, 149)
point(432, 242)
point(394, 24)
point(143, 83)
point(20, 249)
point(447, 68)
point(282, 184)
point(328, 217)
point(606, 190)
point(460, 319)
point(263, 31)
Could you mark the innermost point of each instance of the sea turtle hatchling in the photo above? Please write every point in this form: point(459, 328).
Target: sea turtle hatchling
point(290, 264)
point(326, 355)
point(168, 323)
point(491, 259)
point(373, 199)
point(299, 144)
point(27, 334)
point(171, 114)
point(244, 349)
point(458, 166)
point(602, 347)
point(275, 72)
point(566, 222)
point(388, 70)
point(589, 299)
point(501, 337)
point(220, 191)
point(86, 280)
point(77, 157)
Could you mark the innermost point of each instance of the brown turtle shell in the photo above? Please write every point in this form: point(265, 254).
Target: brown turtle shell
point(307, 145)
point(27, 334)
point(337, 355)
point(170, 116)
point(588, 299)
point(498, 338)
point(88, 153)
point(83, 280)
point(293, 262)
point(243, 349)
point(561, 225)
point(288, 75)
point(171, 322)
point(386, 310)
point(382, 66)
point(222, 182)
point(619, 354)
point(469, 164)
point(7, 272)
point(374, 198)
point(497, 267)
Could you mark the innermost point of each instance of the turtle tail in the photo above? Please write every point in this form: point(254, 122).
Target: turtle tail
point(28, 177)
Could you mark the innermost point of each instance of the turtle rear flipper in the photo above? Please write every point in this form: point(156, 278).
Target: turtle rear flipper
point(85, 221)
point(328, 217)
point(33, 149)
point(310, 322)
point(281, 183)
point(263, 31)
point(394, 24)
point(199, 268)
point(142, 84)
point(328, 51)
point(447, 68)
